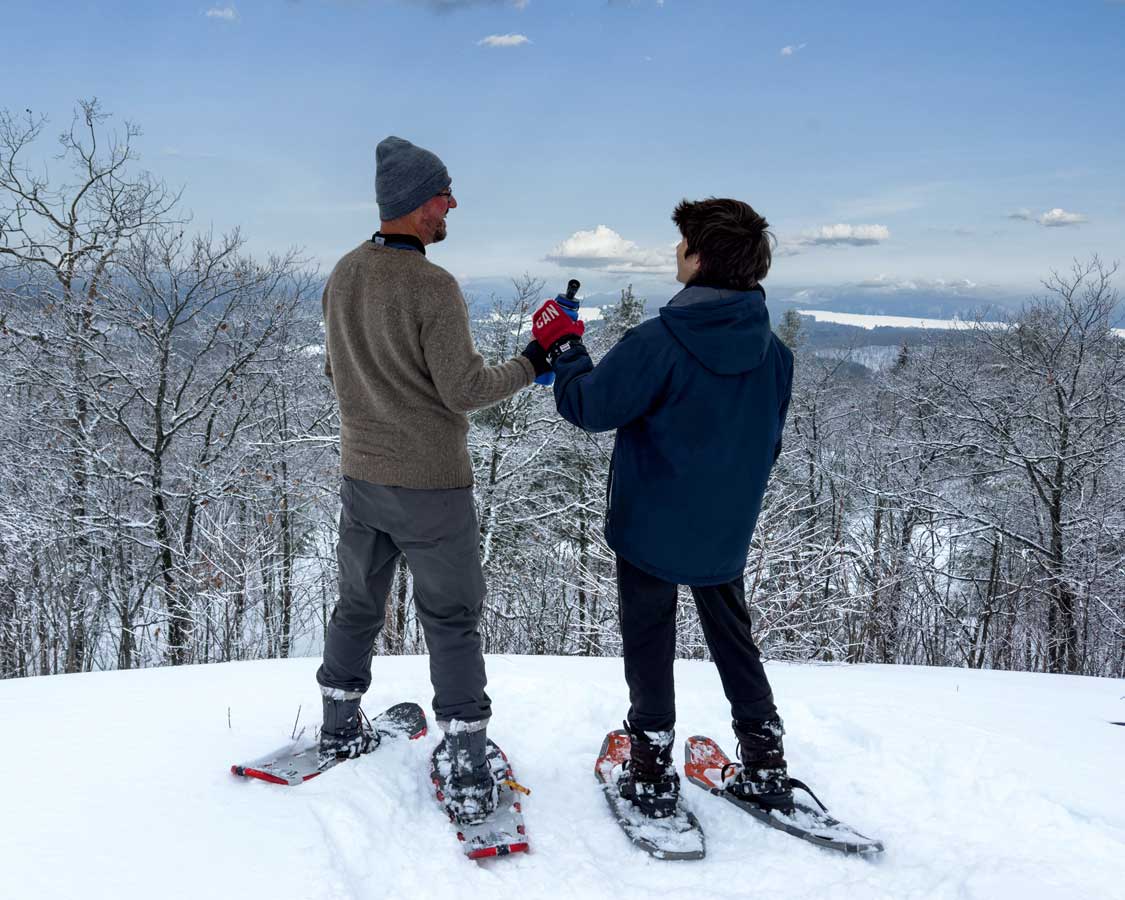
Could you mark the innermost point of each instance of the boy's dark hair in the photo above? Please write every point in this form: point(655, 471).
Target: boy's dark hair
point(730, 238)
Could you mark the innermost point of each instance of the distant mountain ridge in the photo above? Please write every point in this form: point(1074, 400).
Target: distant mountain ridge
point(935, 300)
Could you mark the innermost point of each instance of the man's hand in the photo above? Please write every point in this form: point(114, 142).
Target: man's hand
point(537, 356)
point(554, 330)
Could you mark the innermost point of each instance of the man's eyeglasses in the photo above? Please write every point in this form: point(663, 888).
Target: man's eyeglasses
point(447, 194)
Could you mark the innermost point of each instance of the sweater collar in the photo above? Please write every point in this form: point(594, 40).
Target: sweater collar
point(398, 241)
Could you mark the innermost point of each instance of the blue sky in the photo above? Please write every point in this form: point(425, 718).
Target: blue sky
point(960, 145)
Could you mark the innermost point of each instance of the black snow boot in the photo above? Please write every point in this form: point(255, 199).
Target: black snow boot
point(346, 733)
point(764, 775)
point(461, 762)
point(648, 779)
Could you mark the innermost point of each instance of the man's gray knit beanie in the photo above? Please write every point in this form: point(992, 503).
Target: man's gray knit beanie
point(406, 176)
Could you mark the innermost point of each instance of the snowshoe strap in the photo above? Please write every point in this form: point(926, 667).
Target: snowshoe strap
point(795, 783)
point(730, 771)
point(669, 777)
point(368, 729)
point(516, 786)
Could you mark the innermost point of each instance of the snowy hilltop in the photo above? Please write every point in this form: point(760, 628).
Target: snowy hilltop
point(982, 784)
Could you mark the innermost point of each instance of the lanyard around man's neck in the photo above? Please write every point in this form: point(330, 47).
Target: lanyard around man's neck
point(398, 242)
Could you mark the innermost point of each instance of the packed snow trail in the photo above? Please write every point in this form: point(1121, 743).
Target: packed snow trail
point(981, 785)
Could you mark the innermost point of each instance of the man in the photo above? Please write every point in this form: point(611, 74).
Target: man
point(402, 362)
point(698, 396)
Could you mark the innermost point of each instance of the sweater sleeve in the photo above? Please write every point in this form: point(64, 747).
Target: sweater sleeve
point(462, 379)
point(324, 319)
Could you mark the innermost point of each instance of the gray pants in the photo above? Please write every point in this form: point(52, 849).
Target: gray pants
point(439, 533)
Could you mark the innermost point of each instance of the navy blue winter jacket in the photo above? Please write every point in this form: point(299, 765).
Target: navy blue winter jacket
point(698, 396)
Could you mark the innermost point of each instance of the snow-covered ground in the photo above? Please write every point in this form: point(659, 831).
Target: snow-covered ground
point(981, 784)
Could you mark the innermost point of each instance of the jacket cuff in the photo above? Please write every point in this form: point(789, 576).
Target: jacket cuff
point(562, 345)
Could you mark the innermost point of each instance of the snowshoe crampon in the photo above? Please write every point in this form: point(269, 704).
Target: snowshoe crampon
point(708, 767)
point(678, 836)
point(297, 762)
point(503, 832)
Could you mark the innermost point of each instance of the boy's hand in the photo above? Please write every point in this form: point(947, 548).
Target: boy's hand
point(554, 330)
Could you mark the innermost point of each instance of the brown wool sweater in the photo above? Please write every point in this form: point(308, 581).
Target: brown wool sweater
point(402, 361)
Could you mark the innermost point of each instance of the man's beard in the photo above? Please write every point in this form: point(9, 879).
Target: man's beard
point(439, 232)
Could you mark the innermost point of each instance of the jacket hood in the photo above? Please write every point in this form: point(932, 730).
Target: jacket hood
point(727, 331)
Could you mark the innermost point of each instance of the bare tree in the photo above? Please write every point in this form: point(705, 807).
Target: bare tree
point(63, 237)
point(201, 319)
point(1043, 407)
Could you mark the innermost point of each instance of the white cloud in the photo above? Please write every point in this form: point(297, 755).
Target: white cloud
point(504, 40)
point(223, 13)
point(1056, 218)
point(603, 248)
point(1052, 218)
point(936, 285)
point(792, 48)
point(835, 235)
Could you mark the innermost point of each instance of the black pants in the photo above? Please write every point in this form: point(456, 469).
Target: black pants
point(438, 533)
point(648, 628)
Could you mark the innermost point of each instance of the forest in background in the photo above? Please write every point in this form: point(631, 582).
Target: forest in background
point(170, 459)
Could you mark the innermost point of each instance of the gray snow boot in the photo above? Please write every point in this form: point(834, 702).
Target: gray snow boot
point(468, 786)
point(346, 733)
point(764, 775)
point(648, 778)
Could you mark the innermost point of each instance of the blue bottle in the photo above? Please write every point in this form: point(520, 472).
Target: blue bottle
point(570, 306)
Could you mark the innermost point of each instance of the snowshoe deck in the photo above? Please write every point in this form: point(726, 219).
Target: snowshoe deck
point(502, 833)
point(297, 762)
point(704, 765)
point(679, 836)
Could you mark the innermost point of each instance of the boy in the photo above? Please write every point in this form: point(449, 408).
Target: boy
point(698, 396)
